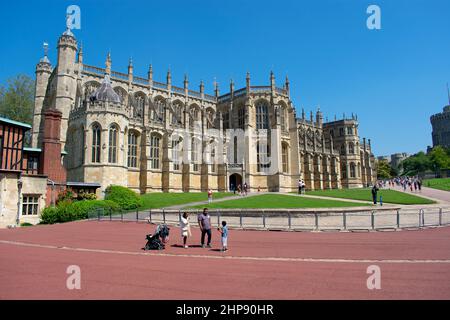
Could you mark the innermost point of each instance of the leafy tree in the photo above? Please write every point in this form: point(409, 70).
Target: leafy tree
point(416, 164)
point(439, 158)
point(17, 99)
point(383, 170)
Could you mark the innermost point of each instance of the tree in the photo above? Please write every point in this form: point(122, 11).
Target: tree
point(416, 164)
point(17, 99)
point(383, 170)
point(439, 158)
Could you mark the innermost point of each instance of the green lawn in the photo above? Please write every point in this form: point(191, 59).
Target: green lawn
point(156, 200)
point(389, 196)
point(271, 201)
point(440, 183)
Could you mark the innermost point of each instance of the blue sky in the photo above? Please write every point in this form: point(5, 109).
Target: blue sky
point(393, 78)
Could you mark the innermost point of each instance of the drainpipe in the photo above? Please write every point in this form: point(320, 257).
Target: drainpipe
point(53, 191)
point(19, 202)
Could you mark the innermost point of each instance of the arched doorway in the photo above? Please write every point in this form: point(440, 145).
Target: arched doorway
point(235, 180)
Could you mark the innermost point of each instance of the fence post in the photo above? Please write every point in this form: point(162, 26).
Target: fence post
point(423, 218)
point(240, 218)
point(264, 219)
point(110, 214)
point(398, 218)
point(316, 220)
point(372, 221)
point(289, 220)
point(150, 215)
point(420, 217)
point(137, 215)
point(440, 216)
point(164, 216)
point(98, 214)
point(344, 220)
point(121, 215)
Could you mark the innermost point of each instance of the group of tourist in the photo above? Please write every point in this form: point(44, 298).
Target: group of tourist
point(412, 184)
point(241, 190)
point(301, 186)
point(204, 223)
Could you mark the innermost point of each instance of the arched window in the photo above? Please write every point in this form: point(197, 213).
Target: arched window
point(96, 143)
point(263, 156)
point(262, 115)
point(343, 171)
point(284, 125)
point(194, 119)
point(113, 137)
point(155, 146)
point(285, 157)
point(132, 149)
point(241, 116)
point(352, 170)
point(343, 151)
point(138, 107)
point(158, 112)
point(351, 148)
point(176, 153)
point(194, 154)
point(213, 157)
point(83, 142)
point(177, 114)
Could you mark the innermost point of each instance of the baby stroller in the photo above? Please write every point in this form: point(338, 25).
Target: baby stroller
point(156, 241)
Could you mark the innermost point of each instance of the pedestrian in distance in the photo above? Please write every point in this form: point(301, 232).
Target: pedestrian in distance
point(204, 222)
point(210, 196)
point(185, 228)
point(374, 194)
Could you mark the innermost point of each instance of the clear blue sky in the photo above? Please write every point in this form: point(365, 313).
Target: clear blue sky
point(394, 78)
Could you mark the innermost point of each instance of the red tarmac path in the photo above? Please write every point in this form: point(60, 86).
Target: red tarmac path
point(259, 264)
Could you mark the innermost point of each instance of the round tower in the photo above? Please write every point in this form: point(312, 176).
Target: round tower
point(43, 72)
point(66, 81)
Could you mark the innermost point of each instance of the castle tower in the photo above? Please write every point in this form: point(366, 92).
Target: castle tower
point(43, 72)
point(66, 81)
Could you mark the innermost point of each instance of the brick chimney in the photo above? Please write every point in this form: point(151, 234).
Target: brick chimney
point(51, 148)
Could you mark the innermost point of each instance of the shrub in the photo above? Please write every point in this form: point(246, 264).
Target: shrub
point(86, 196)
point(49, 215)
point(26, 224)
point(70, 211)
point(127, 199)
point(65, 195)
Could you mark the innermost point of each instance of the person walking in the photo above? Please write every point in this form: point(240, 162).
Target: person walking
point(299, 186)
point(224, 235)
point(185, 228)
point(374, 194)
point(210, 194)
point(204, 222)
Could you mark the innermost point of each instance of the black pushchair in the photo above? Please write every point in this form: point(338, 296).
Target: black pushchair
point(156, 240)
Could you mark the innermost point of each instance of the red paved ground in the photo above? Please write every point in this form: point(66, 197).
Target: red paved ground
point(259, 265)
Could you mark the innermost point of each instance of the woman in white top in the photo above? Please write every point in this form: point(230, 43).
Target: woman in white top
point(185, 228)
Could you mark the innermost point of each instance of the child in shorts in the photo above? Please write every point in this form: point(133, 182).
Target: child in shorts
point(224, 235)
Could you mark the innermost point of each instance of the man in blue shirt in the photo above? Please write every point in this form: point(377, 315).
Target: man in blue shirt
point(204, 222)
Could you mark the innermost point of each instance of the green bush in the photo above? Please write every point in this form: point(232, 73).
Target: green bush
point(26, 224)
point(127, 199)
point(70, 211)
point(86, 196)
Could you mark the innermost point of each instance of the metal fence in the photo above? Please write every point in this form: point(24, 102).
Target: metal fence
point(300, 220)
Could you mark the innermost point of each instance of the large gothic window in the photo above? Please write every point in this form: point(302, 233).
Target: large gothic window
point(155, 143)
point(113, 139)
point(195, 154)
point(241, 117)
point(176, 153)
point(352, 170)
point(96, 143)
point(263, 156)
point(283, 118)
point(351, 148)
point(158, 112)
point(262, 115)
point(285, 158)
point(132, 149)
point(138, 107)
point(235, 149)
point(177, 114)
